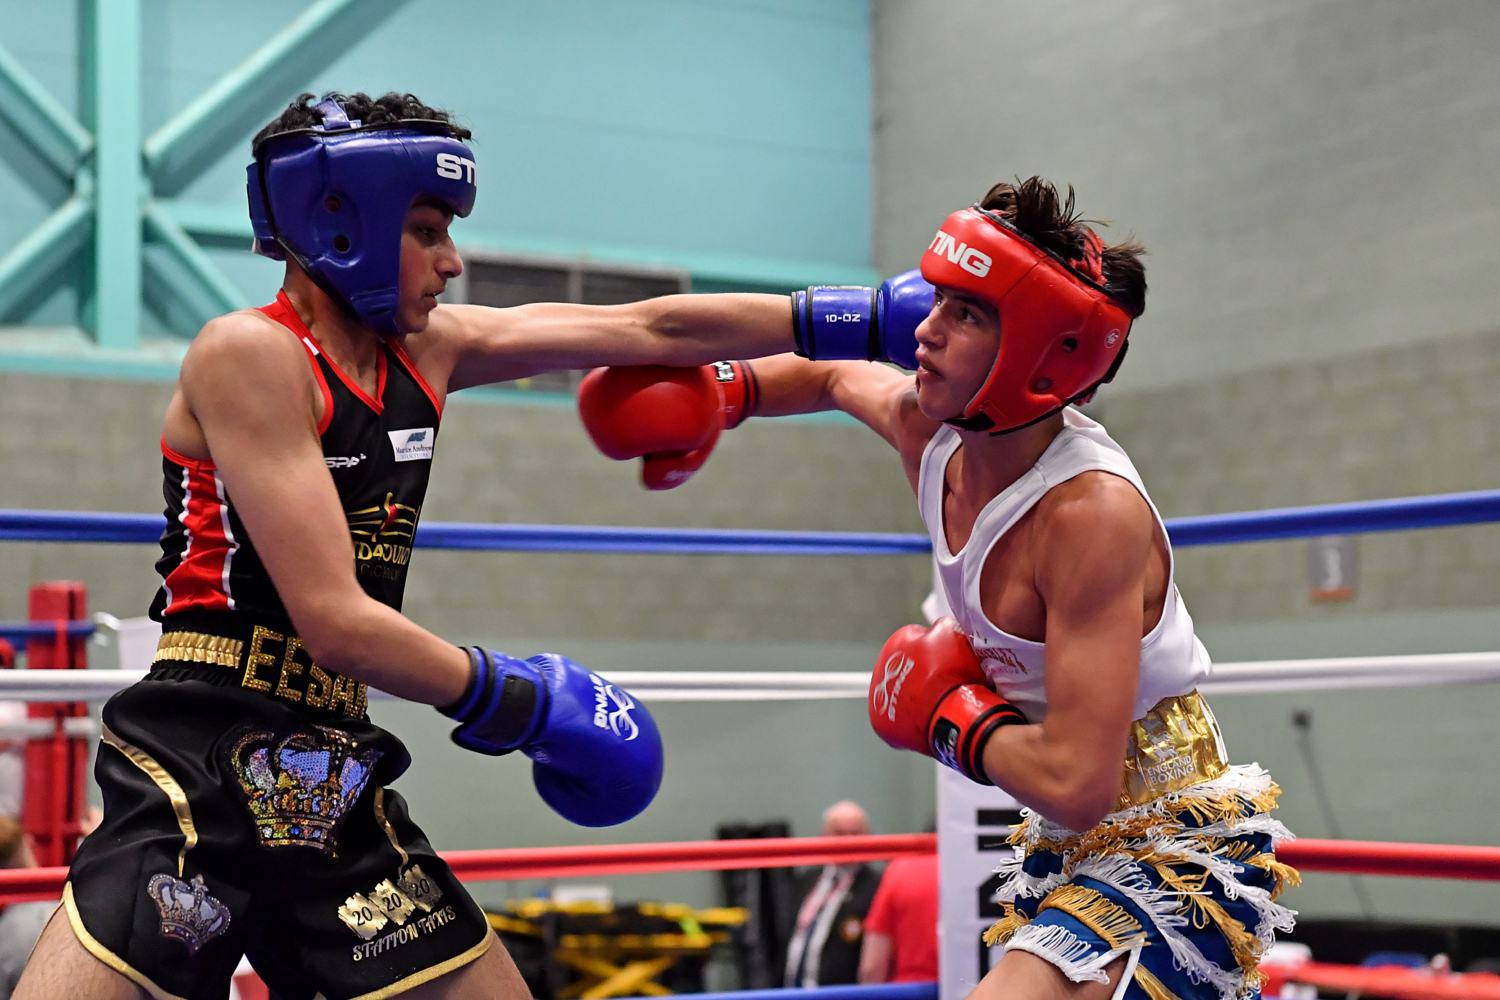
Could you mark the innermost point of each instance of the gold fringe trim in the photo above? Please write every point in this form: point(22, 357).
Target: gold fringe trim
point(1245, 946)
point(1284, 875)
point(1151, 986)
point(1205, 810)
point(1005, 928)
point(1240, 850)
point(1089, 907)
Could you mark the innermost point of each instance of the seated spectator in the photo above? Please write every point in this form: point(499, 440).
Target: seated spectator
point(824, 947)
point(901, 932)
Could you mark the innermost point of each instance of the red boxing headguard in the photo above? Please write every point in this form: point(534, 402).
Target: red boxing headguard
point(1061, 334)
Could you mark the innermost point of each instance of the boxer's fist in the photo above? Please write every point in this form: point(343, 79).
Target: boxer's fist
point(929, 694)
point(596, 753)
point(847, 322)
point(905, 301)
point(670, 417)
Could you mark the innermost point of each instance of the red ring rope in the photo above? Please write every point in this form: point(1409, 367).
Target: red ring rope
point(1352, 857)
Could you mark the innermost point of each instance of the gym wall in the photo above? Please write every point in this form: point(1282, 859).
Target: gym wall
point(1311, 183)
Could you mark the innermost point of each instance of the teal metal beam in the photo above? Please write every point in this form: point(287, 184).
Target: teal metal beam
point(223, 226)
point(33, 262)
point(220, 294)
point(229, 226)
point(113, 48)
point(44, 123)
point(255, 90)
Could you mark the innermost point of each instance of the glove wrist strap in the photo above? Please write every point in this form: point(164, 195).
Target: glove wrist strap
point(505, 707)
point(962, 725)
point(471, 698)
point(837, 323)
point(741, 392)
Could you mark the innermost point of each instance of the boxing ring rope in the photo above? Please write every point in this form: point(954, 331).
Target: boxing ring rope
point(1259, 677)
point(1350, 857)
point(1365, 516)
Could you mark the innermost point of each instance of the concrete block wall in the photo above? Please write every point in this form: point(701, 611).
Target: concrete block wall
point(1311, 179)
point(1406, 421)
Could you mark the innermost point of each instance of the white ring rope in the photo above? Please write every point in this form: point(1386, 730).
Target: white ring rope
point(1261, 677)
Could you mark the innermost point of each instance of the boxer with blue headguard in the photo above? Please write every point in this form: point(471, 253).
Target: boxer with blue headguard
point(247, 799)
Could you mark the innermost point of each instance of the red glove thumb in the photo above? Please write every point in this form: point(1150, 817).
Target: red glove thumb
point(664, 470)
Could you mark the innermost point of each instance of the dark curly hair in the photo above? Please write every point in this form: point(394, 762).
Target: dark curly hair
point(392, 107)
point(1052, 223)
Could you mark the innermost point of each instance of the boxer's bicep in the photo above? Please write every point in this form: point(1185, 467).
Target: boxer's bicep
point(253, 401)
point(1092, 543)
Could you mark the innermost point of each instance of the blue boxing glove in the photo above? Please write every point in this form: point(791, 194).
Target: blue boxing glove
point(851, 323)
point(596, 753)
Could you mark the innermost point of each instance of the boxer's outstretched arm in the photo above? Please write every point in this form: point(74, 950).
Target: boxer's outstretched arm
point(878, 396)
point(247, 385)
point(1094, 537)
point(478, 344)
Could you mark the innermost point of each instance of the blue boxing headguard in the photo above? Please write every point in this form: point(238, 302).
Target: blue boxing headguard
point(334, 198)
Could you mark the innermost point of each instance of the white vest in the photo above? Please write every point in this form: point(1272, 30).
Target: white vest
point(1173, 661)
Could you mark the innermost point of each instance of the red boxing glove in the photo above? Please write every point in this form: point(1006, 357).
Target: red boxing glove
point(929, 694)
point(669, 416)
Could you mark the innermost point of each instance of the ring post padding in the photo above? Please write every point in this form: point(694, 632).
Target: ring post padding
point(55, 764)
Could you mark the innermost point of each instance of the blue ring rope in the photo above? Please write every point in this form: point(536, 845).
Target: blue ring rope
point(21, 631)
point(1403, 514)
point(884, 991)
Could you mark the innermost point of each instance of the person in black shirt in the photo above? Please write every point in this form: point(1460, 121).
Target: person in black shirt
point(825, 943)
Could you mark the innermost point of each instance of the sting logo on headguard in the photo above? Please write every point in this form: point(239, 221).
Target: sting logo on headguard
point(334, 197)
point(1061, 334)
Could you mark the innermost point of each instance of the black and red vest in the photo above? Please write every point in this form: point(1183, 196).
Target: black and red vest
point(379, 453)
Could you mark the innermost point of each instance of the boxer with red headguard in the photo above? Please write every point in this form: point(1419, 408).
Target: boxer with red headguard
point(1067, 673)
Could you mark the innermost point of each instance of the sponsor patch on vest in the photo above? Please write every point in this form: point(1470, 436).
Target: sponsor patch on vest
point(413, 444)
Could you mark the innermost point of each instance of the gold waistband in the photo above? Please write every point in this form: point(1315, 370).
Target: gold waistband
point(1174, 746)
point(261, 669)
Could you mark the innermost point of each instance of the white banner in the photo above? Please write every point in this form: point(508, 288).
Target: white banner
point(973, 824)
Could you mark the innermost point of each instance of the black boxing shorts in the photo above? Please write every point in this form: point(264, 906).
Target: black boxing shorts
point(237, 822)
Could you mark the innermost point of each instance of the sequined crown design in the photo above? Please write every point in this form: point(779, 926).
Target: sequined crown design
point(299, 786)
point(188, 913)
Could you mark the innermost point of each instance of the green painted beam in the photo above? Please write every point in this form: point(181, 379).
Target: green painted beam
point(46, 124)
point(219, 294)
point(112, 44)
point(254, 91)
point(42, 252)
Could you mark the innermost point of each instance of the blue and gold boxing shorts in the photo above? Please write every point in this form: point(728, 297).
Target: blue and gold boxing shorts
point(1184, 888)
point(236, 823)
